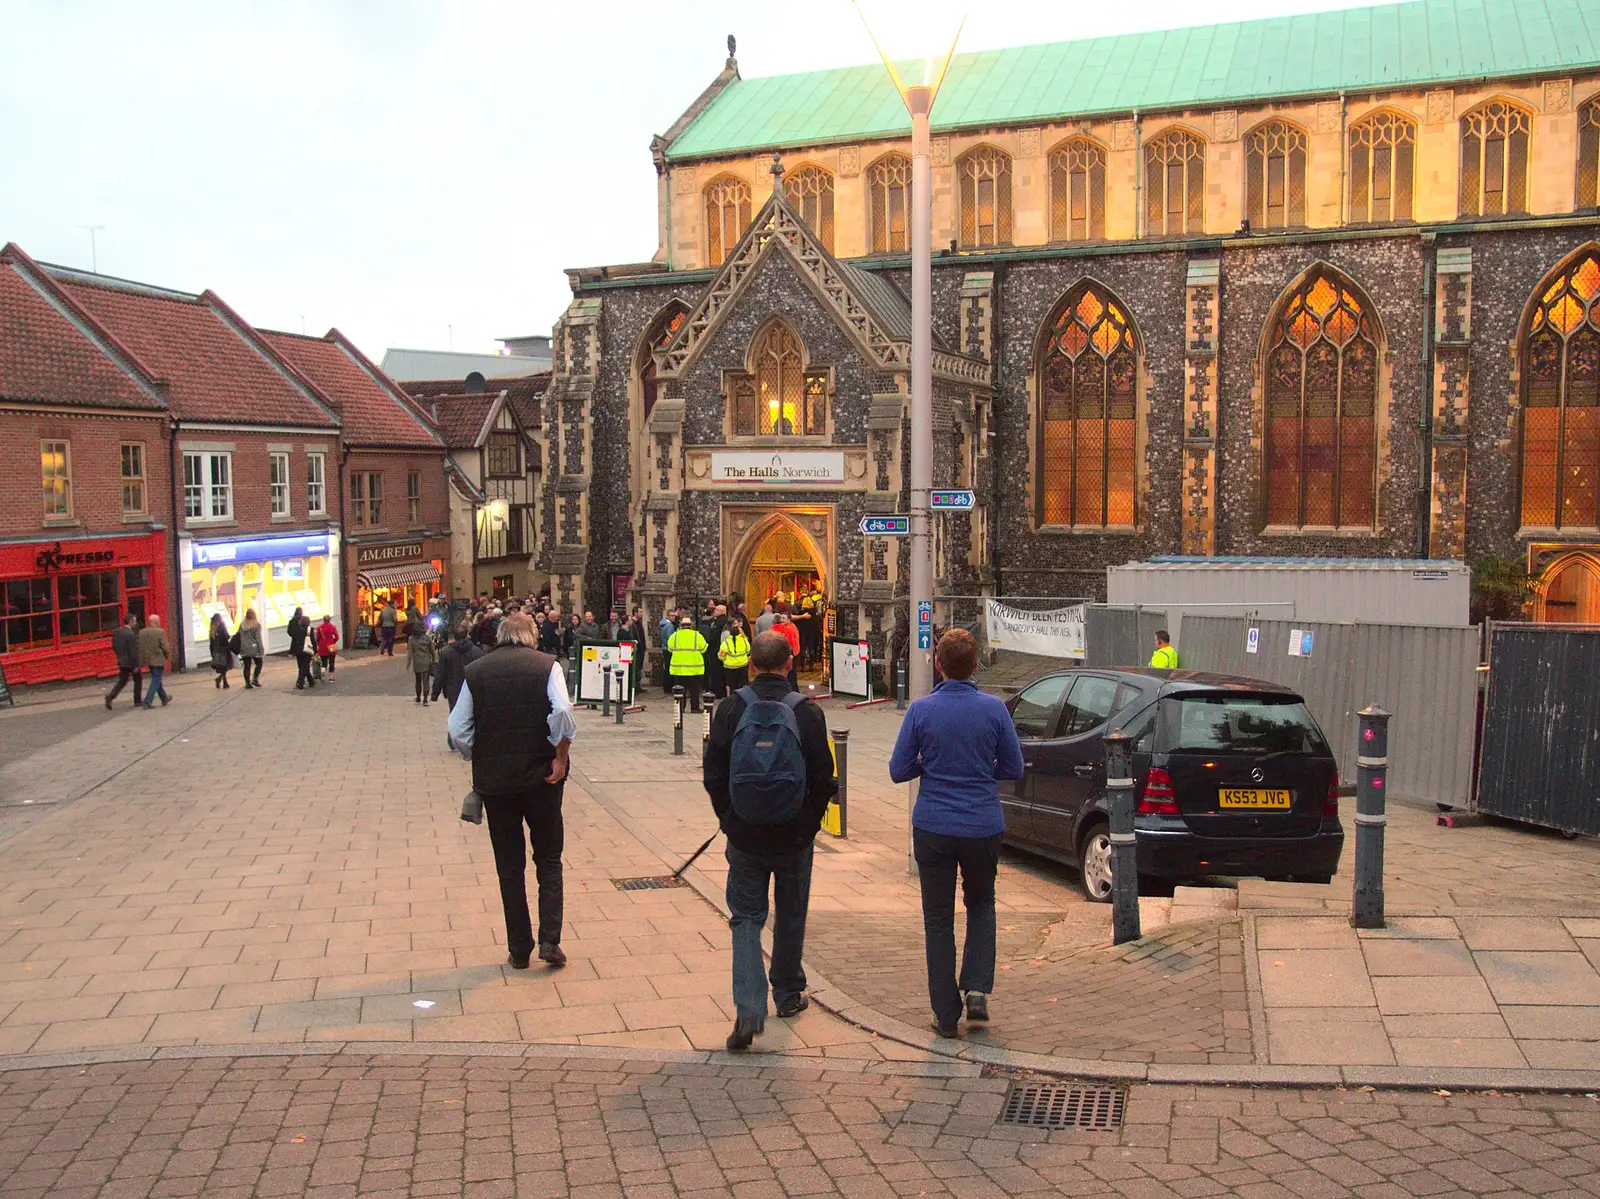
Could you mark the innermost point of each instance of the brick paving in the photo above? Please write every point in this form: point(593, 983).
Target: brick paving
point(354, 1125)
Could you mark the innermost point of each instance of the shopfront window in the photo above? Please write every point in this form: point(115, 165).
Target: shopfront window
point(274, 589)
point(55, 462)
point(48, 613)
point(316, 485)
point(207, 486)
point(133, 478)
point(414, 497)
point(278, 482)
point(89, 605)
point(30, 615)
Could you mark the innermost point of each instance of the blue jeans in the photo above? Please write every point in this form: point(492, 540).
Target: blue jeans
point(748, 876)
point(938, 857)
point(155, 686)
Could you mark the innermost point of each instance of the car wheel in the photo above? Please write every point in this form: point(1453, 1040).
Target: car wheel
point(1094, 863)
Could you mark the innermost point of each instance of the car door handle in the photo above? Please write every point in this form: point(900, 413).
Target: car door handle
point(1083, 770)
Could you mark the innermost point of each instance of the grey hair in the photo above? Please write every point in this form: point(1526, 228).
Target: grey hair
point(517, 629)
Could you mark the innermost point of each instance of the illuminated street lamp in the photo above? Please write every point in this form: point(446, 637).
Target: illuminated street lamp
point(918, 96)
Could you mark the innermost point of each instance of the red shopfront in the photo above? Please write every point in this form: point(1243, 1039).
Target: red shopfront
point(62, 600)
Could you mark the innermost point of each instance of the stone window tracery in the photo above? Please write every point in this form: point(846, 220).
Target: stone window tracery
point(1589, 154)
point(1321, 408)
point(1077, 190)
point(1175, 184)
point(1494, 159)
point(1383, 150)
point(662, 332)
point(1275, 175)
point(1088, 395)
point(888, 203)
point(778, 396)
point(727, 216)
point(809, 190)
point(1561, 406)
point(984, 174)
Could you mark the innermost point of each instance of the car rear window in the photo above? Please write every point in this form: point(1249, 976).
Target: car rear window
point(1240, 724)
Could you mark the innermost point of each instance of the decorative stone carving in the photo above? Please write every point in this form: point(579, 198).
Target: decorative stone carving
point(1122, 135)
point(1328, 116)
point(1441, 107)
point(940, 149)
point(1028, 143)
point(1452, 392)
point(685, 179)
point(1225, 125)
point(1557, 95)
point(850, 161)
point(1202, 294)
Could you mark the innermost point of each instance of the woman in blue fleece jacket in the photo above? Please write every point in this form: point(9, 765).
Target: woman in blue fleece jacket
point(959, 742)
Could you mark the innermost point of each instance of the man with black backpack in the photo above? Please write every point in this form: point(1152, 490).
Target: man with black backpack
point(769, 772)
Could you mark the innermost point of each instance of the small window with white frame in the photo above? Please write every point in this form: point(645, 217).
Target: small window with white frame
point(278, 482)
point(414, 497)
point(316, 484)
point(133, 481)
point(55, 465)
point(207, 486)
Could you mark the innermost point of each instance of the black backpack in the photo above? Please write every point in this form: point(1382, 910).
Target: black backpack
point(767, 767)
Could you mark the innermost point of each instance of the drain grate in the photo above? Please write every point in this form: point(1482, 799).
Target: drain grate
point(655, 882)
point(1050, 1105)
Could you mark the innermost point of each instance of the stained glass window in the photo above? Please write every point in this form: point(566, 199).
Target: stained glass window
point(1321, 394)
point(1077, 190)
point(985, 175)
point(1088, 383)
point(888, 203)
point(779, 398)
point(727, 216)
point(1561, 402)
point(1589, 154)
point(810, 193)
point(1382, 158)
point(1494, 159)
point(1175, 184)
point(662, 332)
point(1275, 175)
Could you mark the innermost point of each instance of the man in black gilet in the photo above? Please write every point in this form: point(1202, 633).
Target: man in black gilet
point(513, 720)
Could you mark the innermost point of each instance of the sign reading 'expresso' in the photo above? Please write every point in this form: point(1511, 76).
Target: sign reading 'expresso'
point(804, 468)
point(56, 558)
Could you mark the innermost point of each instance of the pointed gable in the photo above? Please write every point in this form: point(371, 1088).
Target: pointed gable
point(373, 411)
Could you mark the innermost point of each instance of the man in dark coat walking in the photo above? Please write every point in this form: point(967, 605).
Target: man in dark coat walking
point(125, 644)
point(450, 673)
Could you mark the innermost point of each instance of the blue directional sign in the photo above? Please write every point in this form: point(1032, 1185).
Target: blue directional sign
point(886, 526)
point(924, 624)
point(953, 501)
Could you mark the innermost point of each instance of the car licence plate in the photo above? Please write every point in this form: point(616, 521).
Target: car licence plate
point(1244, 797)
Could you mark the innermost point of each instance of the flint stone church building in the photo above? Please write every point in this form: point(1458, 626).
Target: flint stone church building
point(1321, 285)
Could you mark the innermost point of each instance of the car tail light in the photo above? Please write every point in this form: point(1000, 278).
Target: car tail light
point(1330, 805)
point(1159, 799)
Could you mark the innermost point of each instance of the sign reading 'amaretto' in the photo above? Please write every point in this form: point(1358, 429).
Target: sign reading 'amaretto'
point(803, 468)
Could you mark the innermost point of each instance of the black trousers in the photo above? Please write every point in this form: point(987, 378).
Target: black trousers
point(124, 673)
point(692, 684)
point(303, 660)
point(734, 677)
point(424, 680)
point(251, 661)
point(978, 859)
point(540, 809)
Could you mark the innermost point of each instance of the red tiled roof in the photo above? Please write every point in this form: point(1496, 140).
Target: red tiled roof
point(371, 414)
point(210, 363)
point(526, 397)
point(52, 353)
point(463, 418)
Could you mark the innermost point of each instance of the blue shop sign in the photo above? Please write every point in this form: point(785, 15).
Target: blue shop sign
point(262, 549)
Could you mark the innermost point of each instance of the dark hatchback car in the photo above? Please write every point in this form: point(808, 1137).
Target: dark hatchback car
point(1231, 776)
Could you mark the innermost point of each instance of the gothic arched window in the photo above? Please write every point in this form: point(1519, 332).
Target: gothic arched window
point(810, 193)
point(1494, 159)
point(778, 396)
point(1322, 407)
point(1275, 175)
point(1383, 151)
point(1077, 190)
point(661, 332)
point(1087, 374)
point(1589, 154)
point(985, 179)
point(727, 216)
point(888, 202)
point(1561, 401)
point(1175, 184)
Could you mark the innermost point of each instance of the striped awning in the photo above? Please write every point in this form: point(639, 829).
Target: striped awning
point(397, 576)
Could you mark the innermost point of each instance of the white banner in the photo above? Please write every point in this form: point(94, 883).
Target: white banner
point(1055, 633)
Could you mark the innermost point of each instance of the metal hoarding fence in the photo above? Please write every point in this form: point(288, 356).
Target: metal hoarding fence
point(1122, 635)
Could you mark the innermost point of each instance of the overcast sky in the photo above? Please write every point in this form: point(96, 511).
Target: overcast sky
point(417, 174)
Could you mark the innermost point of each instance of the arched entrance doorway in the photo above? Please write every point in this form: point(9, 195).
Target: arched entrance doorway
point(782, 562)
point(1571, 594)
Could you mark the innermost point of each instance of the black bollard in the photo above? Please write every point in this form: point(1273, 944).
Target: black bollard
point(901, 684)
point(1124, 843)
point(605, 693)
point(1372, 769)
point(677, 721)
point(841, 754)
point(622, 703)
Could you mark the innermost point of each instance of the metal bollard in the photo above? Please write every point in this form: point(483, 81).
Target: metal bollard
point(605, 693)
point(707, 707)
point(677, 721)
point(622, 703)
point(1124, 843)
point(841, 753)
point(901, 684)
point(1372, 768)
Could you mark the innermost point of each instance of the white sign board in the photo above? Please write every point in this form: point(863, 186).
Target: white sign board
point(1252, 641)
point(1300, 641)
point(1056, 632)
point(591, 680)
point(850, 676)
point(764, 468)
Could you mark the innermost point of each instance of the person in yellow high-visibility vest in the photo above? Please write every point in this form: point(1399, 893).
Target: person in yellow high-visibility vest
point(735, 655)
point(686, 661)
point(1165, 657)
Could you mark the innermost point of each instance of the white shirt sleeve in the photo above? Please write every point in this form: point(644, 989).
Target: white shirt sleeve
point(461, 726)
point(563, 724)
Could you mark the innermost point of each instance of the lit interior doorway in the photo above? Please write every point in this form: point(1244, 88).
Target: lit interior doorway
point(784, 564)
point(1572, 595)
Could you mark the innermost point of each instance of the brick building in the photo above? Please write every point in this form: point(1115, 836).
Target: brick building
point(391, 482)
point(1234, 290)
point(81, 413)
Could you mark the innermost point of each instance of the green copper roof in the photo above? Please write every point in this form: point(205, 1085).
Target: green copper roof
point(1389, 46)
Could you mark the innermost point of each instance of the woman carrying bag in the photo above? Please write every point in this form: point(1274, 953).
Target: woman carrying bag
point(422, 655)
point(248, 645)
point(221, 653)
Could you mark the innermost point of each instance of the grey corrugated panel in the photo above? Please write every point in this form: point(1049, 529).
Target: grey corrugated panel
point(1541, 727)
point(1424, 677)
point(1120, 636)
